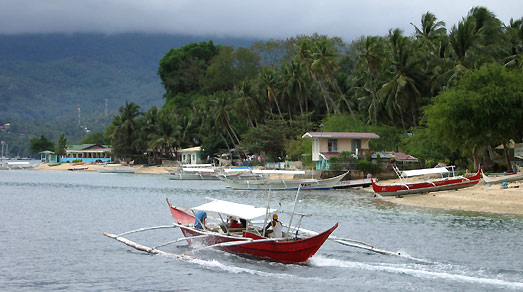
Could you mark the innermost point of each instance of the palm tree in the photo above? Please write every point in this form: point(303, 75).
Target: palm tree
point(268, 82)
point(221, 114)
point(304, 55)
point(244, 102)
point(371, 63)
point(324, 63)
point(402, 93)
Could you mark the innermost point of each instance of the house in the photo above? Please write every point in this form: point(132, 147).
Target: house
point(328, 144)
point(190, 155)
point(48, 156)
point(88, 153)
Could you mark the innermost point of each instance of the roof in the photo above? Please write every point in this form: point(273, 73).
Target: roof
point(399, 156)
point(46, 152)
point(233, 209)
point(350, 135)
point(192, 149)
point(84, 147)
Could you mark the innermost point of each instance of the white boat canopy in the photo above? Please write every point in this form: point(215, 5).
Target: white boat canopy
point(197, 165)
point(233, 209)
point(269, 171)
point(418, 172)
point(198, 169)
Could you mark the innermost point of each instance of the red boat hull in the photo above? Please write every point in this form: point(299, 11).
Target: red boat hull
point(294, 251)
point(426, 186)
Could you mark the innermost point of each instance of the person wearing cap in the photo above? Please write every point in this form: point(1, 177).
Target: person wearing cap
point(277, 229)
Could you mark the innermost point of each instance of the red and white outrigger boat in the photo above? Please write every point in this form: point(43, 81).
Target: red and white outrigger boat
point(428, 185)
point(296, 245)
point(248, 240)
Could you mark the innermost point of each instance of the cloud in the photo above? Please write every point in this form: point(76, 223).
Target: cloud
point(236, 18)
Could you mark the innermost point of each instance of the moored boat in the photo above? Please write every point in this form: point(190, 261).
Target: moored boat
point(505, 177)
point(427, 185)
point(266, 183)
point(362, 182)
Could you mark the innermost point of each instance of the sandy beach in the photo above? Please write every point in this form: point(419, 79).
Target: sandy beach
point(479, 198)
point(97, 167)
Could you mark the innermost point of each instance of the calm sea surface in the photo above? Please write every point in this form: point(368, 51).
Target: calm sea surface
point(52, 224)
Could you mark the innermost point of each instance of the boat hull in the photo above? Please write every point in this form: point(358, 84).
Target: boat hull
point(287, 251)
point(280, 185)
point(497, 179)
point(452, 183)
point(364, 182)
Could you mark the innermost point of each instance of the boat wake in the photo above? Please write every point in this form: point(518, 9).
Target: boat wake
point(414, 270)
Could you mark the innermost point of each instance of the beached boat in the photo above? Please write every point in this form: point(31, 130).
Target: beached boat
point(74, 168)
point(427, 185)
point(362, 182)
point(194, 172)
point(504, 177)
point(265, 182)
point(117, 170)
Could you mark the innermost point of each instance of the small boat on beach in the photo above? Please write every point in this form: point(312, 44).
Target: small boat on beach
point(427, 185)
point(503, 177)
point(361, 182)
point(194, 172)
point(265, 182)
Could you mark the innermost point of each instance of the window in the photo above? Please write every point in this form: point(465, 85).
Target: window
point(332, 145)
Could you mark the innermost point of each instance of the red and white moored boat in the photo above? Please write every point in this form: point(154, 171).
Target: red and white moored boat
point(427, 185)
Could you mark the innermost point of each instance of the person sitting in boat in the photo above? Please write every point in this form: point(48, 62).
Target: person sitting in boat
point(200, 219)
point(231, 223)
point(277, 229)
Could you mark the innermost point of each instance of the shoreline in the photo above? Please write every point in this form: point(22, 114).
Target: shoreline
point(479, 198)
point(97, 167)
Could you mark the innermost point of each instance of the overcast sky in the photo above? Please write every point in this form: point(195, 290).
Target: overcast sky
point(266, 19)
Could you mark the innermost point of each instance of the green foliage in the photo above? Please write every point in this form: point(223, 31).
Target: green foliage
point(369, 167)
point(482, 110)
point(61, 145)
point(41, 144)
point(94, 138)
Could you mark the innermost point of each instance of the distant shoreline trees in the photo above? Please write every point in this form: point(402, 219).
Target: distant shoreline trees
point(225, 98)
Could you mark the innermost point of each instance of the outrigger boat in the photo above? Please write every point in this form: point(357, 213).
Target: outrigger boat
point(265, 182)
point(428, 185)
point(295, 246)
point(499, 178)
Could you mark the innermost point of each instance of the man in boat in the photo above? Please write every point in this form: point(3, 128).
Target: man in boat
point(277, 229)
point(199, 221)
point(231, 224)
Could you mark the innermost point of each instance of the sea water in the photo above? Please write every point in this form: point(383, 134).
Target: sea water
point(52, 224)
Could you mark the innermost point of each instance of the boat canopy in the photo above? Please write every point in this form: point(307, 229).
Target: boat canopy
point(197, 165)
point(269, 171)
point(198, 169)
point(233, 209)
point(418, 172)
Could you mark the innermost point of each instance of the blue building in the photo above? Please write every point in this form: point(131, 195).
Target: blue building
point(87, 153)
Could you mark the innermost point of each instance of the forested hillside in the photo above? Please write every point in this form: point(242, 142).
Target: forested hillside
point(44, 78)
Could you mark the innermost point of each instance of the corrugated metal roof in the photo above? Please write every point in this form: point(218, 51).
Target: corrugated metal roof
point(351, 135)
